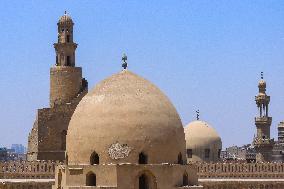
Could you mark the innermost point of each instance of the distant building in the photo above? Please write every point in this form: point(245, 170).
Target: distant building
point(3, 154)
point(278, 148)
point(19, 148)
point(281, 133)
point(236, 153)
point(7, 154)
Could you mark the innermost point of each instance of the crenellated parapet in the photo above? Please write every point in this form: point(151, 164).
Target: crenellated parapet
point(240, 170)
point(26, 184)
point(28, 169)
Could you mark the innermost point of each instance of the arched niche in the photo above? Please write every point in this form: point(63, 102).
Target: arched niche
point(180, 160)
point(146, 180)
point(143, 158)
point(94, 159)
point(185, 179)
point(91, 179)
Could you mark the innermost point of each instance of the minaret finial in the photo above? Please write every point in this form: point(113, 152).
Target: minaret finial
point(65, 12)
point(197, 114)
point(124, 61)
point(261, 75)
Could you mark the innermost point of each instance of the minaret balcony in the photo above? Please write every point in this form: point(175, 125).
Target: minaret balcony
point(262, 98)
point(263, 141)
point(65, 44)
point(263, 120)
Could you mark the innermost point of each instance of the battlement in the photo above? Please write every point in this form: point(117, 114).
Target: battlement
point(28, 170)
point(240, 170)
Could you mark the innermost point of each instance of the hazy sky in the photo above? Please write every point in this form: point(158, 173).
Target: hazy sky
point(204, 55)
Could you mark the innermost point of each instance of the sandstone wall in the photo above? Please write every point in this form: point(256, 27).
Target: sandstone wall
point(47, 139)
point(28, 170)
point(65, 84)
point(240, 170)
point(26, 185)
point(242, 184)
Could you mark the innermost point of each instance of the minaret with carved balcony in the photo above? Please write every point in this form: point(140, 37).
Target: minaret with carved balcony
point(262, 142)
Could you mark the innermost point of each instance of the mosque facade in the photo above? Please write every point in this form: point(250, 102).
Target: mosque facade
point(126, 134)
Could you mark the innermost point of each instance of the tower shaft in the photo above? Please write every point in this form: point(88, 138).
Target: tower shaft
point(65, 78)
point(262, 142)
point(47, 139)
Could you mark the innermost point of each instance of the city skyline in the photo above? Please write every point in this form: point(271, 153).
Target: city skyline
point(198, 58)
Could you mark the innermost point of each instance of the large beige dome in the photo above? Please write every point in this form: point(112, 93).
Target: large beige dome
point(201, 137)
point(121, 117)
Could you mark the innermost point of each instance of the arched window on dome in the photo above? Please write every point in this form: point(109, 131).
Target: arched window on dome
point(185, 179)
point(91, 179)
point(143, 159)
point(180, 161)
point(94, 159)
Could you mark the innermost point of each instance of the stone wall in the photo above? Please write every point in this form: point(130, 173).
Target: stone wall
point(240, 170)
point(47, 139)
point(27, 184)
point(65, 84)
point(242, 184)
point(28, 170)
point(41, 174)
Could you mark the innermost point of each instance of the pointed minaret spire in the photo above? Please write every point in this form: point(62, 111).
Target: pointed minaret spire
point(124, 61)
point(197, 114)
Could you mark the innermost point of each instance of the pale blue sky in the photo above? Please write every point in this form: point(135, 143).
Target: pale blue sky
point(204, 55)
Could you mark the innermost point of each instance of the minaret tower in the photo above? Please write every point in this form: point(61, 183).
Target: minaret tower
point(65, 79)
point(47, 139)
point(262, 142)
point(65, 47)
point(281, 133)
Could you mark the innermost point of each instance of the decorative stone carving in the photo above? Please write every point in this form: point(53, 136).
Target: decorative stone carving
point(118, 151)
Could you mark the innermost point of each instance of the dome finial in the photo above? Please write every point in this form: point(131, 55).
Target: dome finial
point(65, 12)
point(261, 75)
point(197, 114)
point(124, 59)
